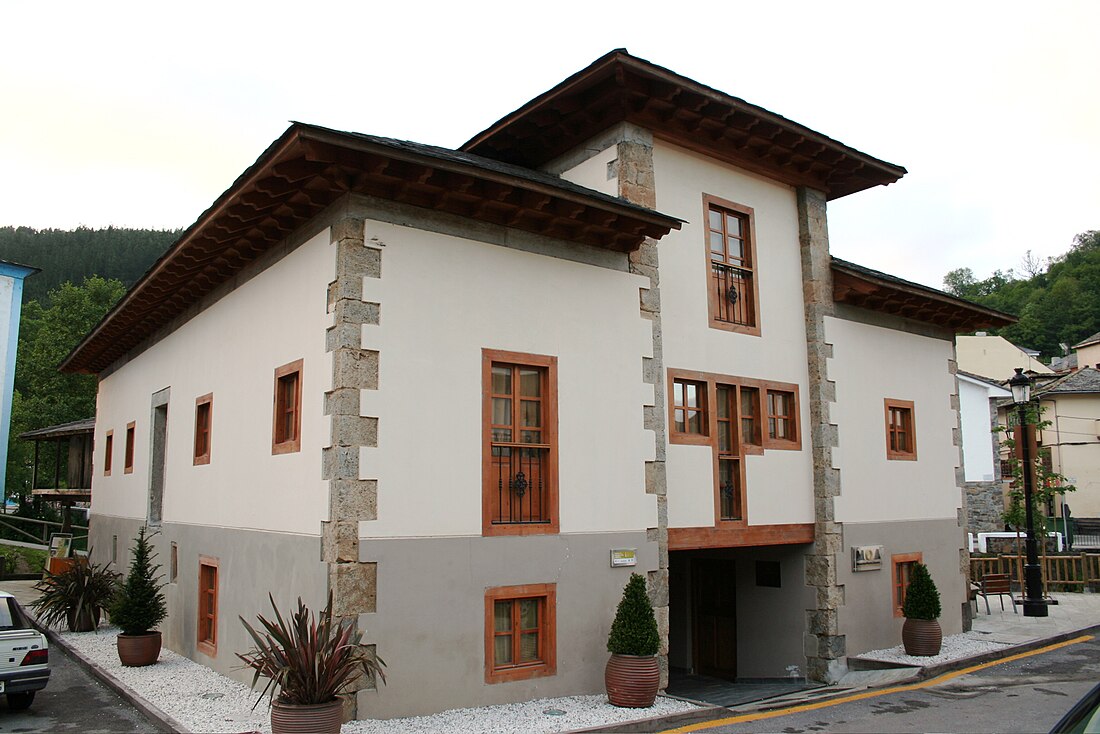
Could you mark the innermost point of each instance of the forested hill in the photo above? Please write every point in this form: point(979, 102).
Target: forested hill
point(64, 255)
point(1057, 301)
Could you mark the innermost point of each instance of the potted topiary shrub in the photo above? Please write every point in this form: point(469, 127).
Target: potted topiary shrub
point(921, 633)
point(632, 675)
point(310, 663)
point(139, 607)
point(77, 595)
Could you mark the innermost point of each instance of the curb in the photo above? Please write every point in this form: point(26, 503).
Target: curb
point(151, 712)
point(933, 670)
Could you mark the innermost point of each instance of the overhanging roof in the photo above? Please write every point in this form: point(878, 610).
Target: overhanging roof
point(866, 288)
point(310, 167)
point(619, 87)
point(63, 430)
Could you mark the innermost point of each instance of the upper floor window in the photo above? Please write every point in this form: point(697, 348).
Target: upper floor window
point(287, 422)
point(108, 452)
point(732, 287)
point(750, 417)
point(520, 493)
point(128, 456)
point(204, 413)
point(689, 407)
point(782, 418)
point(901, 442)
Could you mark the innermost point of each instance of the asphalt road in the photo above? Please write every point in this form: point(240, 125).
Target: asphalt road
point(1026, 695)
point(74, 701)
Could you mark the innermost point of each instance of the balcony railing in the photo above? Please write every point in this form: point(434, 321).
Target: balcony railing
point(733, 294)
point(520, 494)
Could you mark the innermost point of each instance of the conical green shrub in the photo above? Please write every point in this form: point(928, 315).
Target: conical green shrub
point(634, 631)
point(139, 606)
point(922, 598)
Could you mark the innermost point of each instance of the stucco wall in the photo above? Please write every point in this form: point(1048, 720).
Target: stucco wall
point(231, 349)
point(442, 300)
point(1074, 435)
point(872, 363)
point(779, 483)
point(977, 434)
point(994, 357)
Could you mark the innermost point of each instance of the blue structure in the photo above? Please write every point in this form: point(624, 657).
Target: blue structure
point(11, 306)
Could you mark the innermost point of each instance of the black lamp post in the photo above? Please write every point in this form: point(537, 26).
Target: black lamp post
point(1034, 604)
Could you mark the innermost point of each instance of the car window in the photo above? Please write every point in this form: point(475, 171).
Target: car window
point(11, 616)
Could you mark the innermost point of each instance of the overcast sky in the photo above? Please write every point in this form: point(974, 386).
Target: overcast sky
point(141, 114)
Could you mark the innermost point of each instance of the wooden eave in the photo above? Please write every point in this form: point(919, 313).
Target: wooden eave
point(865, 288)
point(306, 170)
point(622, 88)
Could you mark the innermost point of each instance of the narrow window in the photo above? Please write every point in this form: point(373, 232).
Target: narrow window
point(128, 466)
point(520, 634)
point(287, 421)
point(108, 452)
point(520, 494)
point(204, 411)
point(729, 453)
point(689, 401)
point(750, 416)
point(901, 440)
point(208, 606)
point(174, 563)
point(902, 566)
point(732, 284)
point(782, 418)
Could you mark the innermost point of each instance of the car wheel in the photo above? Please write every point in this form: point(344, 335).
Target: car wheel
point(20, 701)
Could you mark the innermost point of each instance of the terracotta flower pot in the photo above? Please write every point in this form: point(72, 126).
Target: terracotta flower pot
point(138, 650)
point(922, 637)
point(319, 718)
point(632, 680)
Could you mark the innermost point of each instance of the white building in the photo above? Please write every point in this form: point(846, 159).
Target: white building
point(449, 386)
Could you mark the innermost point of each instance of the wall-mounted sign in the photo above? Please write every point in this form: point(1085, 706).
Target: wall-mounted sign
point(866, 557)
point(624, 557)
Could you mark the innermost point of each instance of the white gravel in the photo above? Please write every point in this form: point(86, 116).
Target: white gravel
point(205, 701)
point(954, 647)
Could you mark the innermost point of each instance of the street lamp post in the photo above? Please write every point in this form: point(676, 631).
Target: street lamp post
point(1034, 604)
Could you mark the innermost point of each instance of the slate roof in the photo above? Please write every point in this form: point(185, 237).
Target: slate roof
point(1090, 340)
point(1085, 380)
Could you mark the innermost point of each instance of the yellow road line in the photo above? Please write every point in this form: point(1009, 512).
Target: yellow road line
point(761, 715)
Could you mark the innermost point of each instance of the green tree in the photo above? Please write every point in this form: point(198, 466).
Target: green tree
point(634, 631)
point(44, 396)
point(139, 605)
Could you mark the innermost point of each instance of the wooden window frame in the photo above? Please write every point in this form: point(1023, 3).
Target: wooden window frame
point(108, 452)
point(907, 409)
point(755, 443)
point(550, 438)
point(548, 632)
point(128, 456)
point(204, 403)
point(712, 381)
point(897, 591)
point(780, 443)
point(207, 637)
point(748, 217)
point(703, 438)
point(281, 444)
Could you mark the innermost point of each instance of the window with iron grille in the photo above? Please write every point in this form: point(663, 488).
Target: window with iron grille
point(901, 438)
point(729, 453)
point(520, 494)
point(732, 256)
point(520, 632)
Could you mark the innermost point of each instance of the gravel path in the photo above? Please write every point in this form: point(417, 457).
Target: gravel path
point(954, 647)
point(205, 701)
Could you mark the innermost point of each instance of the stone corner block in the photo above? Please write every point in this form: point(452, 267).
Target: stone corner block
point(354, 588)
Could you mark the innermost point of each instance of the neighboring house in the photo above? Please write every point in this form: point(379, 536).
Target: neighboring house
point(996, 358)
point(11, 306)
point(468, 392)
point(1071, 443)
point(1088, 351)
point(985, 498)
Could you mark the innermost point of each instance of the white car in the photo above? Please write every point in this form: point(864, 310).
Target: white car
point(24, 655)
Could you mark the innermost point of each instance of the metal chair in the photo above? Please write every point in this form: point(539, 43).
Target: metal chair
point(995, 584)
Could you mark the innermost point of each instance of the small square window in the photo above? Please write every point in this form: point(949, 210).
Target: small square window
point(901, 437)
point(287, 420)
point(782, 418)
point(520, 632)
point(204, 414)
point(208, 606)
point(128, 466)
point(689, 408)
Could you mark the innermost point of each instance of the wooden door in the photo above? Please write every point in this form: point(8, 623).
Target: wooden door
point(714, 629)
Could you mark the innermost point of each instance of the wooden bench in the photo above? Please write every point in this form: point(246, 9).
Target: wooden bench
point(994, 584)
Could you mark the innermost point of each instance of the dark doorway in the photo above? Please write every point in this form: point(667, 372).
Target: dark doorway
point(714, 628)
